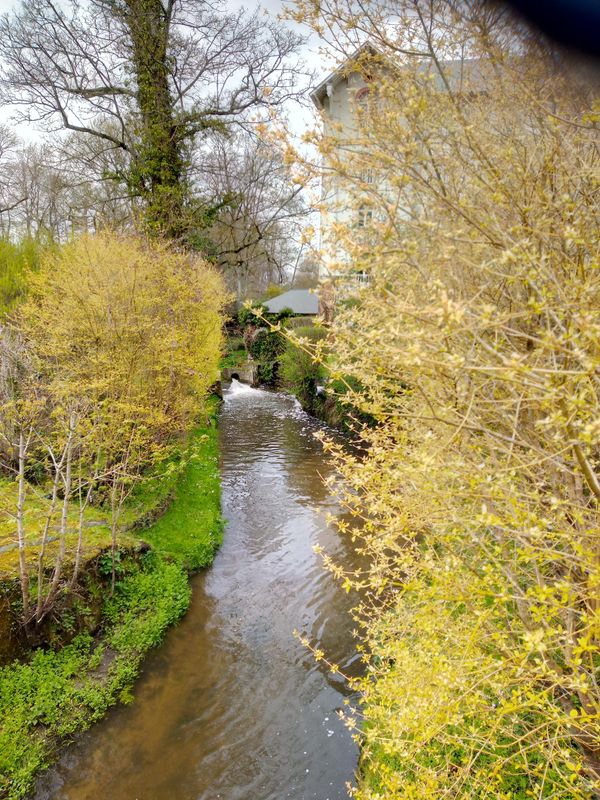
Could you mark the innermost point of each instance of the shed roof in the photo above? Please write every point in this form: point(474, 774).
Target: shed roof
point(301, 301)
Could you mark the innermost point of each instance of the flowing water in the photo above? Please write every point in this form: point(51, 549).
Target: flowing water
point(232, 706)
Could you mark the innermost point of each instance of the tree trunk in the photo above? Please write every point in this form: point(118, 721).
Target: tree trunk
point(62, 545)
point(44, 543)
point(115, 510)
point(83, 504)
point(158, 169)
point(24, 574)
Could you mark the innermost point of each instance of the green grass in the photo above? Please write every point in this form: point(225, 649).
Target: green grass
point(189, 531)
point(235, 353)
point(97, 531)
point(57, 694)
point(191, 528)
point(234, 358)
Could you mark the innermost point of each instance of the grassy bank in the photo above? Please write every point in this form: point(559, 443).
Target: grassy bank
point(181, 533)
point(57, 694)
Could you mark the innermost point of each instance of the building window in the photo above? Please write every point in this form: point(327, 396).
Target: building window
point(362, 98)
point(367, 176)
point(365, 216)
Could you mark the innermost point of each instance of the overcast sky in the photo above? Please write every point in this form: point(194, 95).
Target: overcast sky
point(296, 112)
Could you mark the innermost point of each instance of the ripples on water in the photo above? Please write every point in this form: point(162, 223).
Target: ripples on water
point(232, 706)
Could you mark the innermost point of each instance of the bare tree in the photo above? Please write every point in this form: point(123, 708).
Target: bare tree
point(146, 77)
point(62, 188)
point(8, 147)
point(256, 233)
point(305, 274)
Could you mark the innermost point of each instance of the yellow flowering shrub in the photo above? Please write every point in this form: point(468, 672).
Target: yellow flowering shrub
point(477, 347)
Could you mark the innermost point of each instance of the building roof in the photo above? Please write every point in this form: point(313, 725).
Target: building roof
point(321, 91)
point(457, 71)
point(301, 301)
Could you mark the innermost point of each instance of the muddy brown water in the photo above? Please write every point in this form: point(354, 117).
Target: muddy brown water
point(232, 706)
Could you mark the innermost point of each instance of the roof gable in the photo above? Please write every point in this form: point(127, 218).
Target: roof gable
point(322, 91)
point(458, 71)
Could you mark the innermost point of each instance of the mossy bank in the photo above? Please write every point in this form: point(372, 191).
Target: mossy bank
point(56, 693)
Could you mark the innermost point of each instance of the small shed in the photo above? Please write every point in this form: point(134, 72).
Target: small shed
point(302, 302)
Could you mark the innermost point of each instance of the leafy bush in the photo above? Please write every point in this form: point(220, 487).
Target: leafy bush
point(123, 340)
point(140, 342)
point(301, 372)
point(15, 261)
point(476, 344)
point(247, 315)
point(59, 693)
point(259, 316)
point(266, 348)
point(234, 359)
point(145, 605)
point(235, 352)
point(264, 344)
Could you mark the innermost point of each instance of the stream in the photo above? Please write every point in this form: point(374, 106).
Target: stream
point(232, 706)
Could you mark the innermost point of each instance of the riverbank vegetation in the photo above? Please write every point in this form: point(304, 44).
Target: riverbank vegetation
point(105, 369)
point(16, 260)
point(476, 347)
point(252, 335)
point(190, 529)
point(56, 693)
point(465, 340)
point(301, 372)
point(290, 360)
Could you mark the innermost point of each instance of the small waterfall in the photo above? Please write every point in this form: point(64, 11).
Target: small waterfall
point(236, 388)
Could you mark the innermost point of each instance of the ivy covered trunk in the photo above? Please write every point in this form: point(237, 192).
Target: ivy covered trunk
point(158, 170)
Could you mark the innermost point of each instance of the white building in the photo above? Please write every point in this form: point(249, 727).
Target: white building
point(341, 97)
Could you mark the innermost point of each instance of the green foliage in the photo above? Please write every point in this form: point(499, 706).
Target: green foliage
point(107, 561)
point(312, 333)
point(145, 604)
point(191, 529)
point(235, 352)
point(475, 346)
point(264, 344)
point(347, 393)
point(304, 366)
point(121, 339)
point(266, 347)
point(97, 529)
point(300, 371)
point(15, 262)
point(257, 315)
point(138, 346)
point(247, 315)
point(234, 359)
point(57, 694)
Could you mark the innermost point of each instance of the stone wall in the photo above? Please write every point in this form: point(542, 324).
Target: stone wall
point(246, 373)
